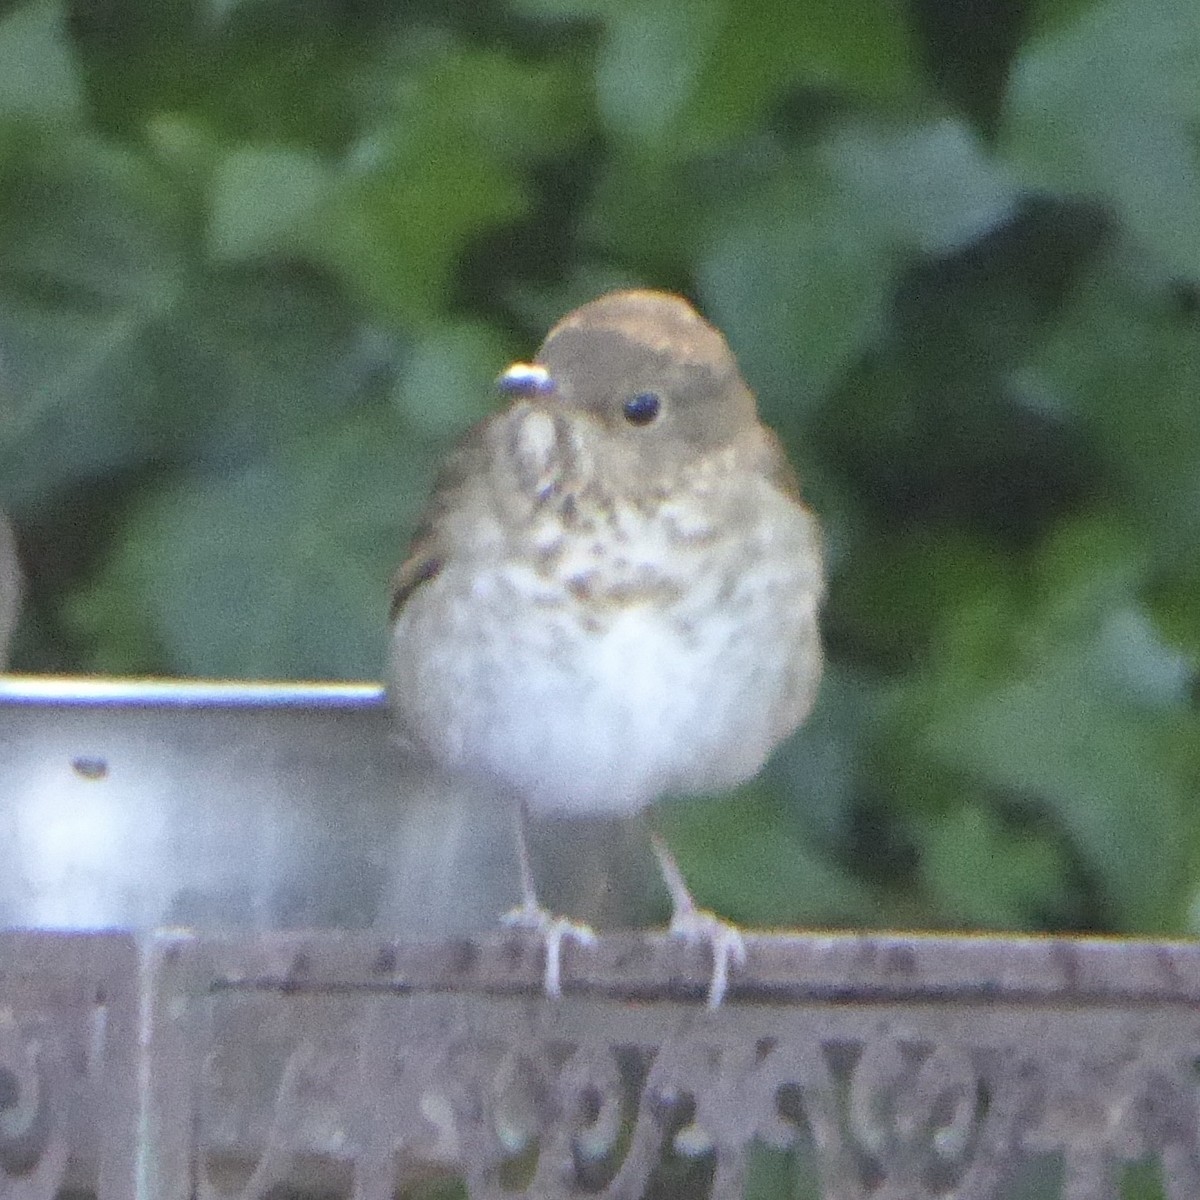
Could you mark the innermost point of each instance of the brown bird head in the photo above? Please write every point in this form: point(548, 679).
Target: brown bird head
point(658, 384)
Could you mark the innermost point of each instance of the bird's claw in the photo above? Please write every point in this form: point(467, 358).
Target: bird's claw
point(553, 931)
point(725, 939)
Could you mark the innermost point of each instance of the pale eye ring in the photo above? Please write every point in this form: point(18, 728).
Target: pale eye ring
point(642, 409)
point(525, 379)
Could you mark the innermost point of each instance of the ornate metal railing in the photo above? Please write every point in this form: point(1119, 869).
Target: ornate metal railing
point(180, 1065)
point(265, 1062)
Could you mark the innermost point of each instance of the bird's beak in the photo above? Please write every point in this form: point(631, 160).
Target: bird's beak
point(526, 379)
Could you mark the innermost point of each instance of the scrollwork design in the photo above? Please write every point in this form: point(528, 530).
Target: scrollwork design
point(882, 1111)
point(915, 1110)
point(33, 1119)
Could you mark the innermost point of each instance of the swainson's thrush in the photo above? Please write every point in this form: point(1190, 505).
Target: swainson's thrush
point(613, 593)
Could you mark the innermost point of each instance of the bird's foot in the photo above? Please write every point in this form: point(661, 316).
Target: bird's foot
point(553, 931)
point(725, 939)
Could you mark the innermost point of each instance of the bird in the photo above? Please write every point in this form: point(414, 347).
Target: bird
point(613, 593)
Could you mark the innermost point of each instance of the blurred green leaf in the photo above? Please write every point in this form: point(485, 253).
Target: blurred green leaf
point(815, 772)
point(187, 148)
point(276, 569)
point(933, 187)
point(1069, 721)
point(119, 348)
point(445, 383)
point(395, 234)
point(1093, 593)
point(90, 261)
point(261, 198)
point(985, 875)
point(39, 76)
point(1176, 607)
point(1092, 760)
point(1048, 15)
point(860, 48)
point(683, 78)
point(449, 164)
point(1125, 363)
point(739, 861)
point(261, 354)
point(1106, 107)
point(219, 11)
point(650, 64)
point(895, 597)
point(647, 210)
point(800, 271)
point(797, 296)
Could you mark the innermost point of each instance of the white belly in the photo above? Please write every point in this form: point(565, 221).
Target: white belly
point(515, 684)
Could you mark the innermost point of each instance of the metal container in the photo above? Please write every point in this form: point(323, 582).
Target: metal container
point(142, 804)
point(132, 804)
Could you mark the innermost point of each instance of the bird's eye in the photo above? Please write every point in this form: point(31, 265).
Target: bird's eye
point(642, 408)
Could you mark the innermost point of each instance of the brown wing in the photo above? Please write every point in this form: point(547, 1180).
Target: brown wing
point(774, 464)
point(421, 565)
point(427, 551)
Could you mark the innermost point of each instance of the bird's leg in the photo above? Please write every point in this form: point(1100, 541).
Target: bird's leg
point(697, 924)
point(529, 900)
point(529, 914)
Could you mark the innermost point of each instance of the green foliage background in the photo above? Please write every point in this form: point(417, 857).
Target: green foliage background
point(259, 262)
